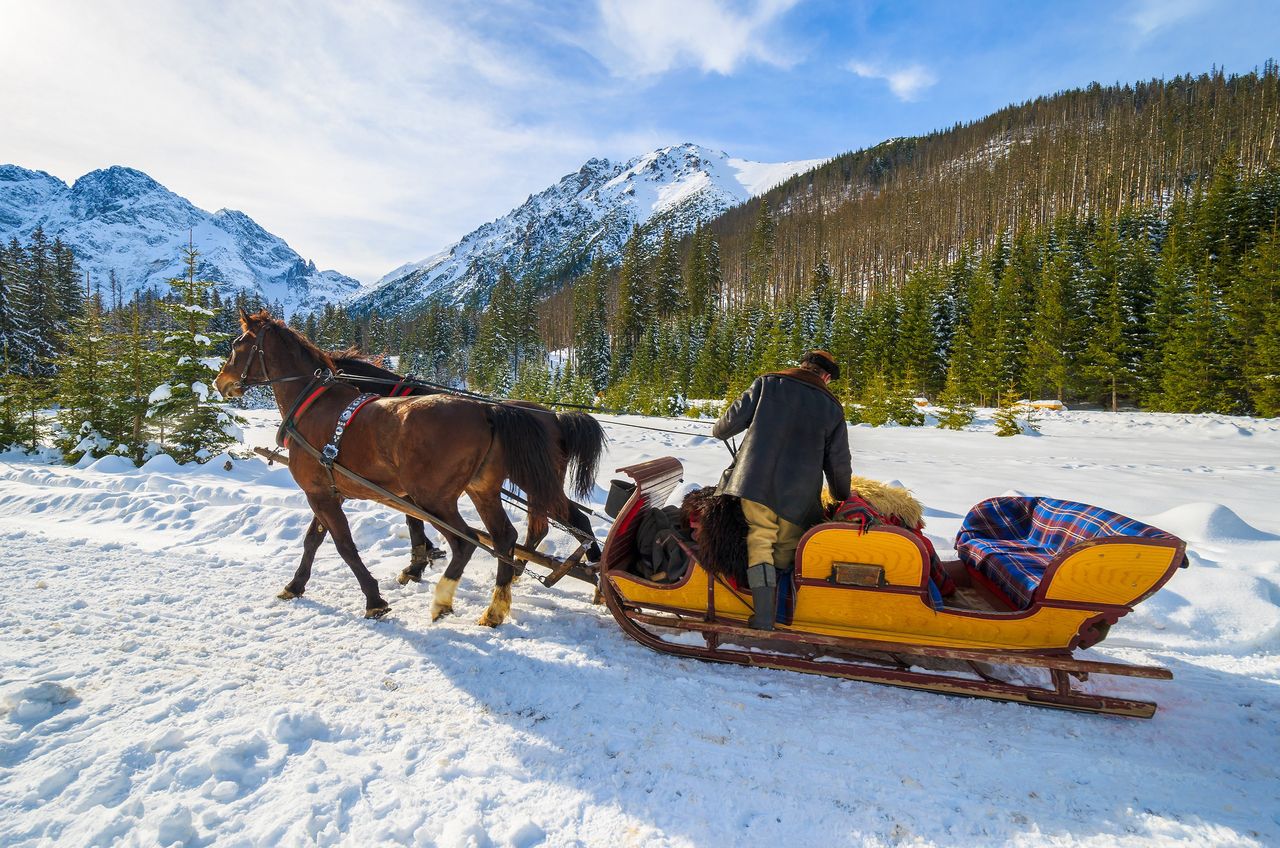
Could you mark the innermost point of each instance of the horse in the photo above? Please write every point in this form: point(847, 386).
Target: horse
point(581, 440)
point(427, 450)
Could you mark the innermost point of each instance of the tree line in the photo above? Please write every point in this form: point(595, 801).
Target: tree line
point(129, 379)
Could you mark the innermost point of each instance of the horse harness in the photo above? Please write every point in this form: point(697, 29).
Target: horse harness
point(287, 434)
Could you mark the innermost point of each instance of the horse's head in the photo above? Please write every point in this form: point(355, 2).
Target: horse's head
point(247, 362)
point(268, 352)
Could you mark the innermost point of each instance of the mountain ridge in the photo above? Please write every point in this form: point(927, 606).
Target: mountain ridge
point(121, 219)
point(556, 232)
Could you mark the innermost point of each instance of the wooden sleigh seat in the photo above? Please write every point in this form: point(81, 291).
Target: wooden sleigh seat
point(1025, 550)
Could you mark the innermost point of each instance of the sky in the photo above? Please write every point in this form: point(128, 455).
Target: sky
point(376, 133)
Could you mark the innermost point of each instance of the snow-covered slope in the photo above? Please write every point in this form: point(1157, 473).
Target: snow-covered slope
point(154, 692)
point(558, 231)
point(119, 219)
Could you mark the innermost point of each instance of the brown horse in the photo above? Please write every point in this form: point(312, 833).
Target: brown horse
point(580, 437)
point(428, 450)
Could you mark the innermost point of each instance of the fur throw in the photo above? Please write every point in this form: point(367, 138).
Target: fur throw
point(720, 532)
point(887, 500)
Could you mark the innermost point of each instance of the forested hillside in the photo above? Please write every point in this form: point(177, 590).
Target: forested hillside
point(1113, 245)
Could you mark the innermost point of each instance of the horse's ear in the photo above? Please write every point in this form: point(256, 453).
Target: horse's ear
point(244, 319)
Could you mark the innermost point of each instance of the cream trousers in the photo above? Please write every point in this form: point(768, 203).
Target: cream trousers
point(770, 538)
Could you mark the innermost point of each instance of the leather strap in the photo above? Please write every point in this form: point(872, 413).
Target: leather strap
point(329, 453)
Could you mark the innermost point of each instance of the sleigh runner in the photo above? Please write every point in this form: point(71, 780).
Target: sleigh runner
point(861, 605)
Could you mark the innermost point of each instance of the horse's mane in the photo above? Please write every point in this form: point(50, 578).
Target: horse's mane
point(365, 365)
point(265, 317)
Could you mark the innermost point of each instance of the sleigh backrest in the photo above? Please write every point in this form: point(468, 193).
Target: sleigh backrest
point(655, 481)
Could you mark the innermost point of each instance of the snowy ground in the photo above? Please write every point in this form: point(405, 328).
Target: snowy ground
point(153, 691)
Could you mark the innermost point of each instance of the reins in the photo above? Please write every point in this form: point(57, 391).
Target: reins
point(439, 387)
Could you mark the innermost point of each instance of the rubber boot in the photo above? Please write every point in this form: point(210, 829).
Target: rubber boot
point(762, 579)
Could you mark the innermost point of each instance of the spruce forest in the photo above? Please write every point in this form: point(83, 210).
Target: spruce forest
point(1114, 246)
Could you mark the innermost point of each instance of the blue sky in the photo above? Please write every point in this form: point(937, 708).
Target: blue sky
point(372, 134)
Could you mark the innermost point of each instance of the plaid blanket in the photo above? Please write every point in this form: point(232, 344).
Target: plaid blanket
point(1011, 541)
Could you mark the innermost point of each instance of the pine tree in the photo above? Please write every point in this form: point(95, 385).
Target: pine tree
point(1252, 306)
point(491, 361)
point(195, 422)
point(136, 371)
point(1194, 377)
point(635, 306)
point(1110, 363)
point(760, 255)
point(82, 384)
point(667, 283)
point(1051, 346)
point(954, 412)
point(591, 342)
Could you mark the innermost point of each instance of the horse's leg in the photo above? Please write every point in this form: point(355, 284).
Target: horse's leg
point(329, 510)
point(536, 531)
point(578, 518)
point(298, 585)
point(504, 537)
point(442, 602)
point(423, 552)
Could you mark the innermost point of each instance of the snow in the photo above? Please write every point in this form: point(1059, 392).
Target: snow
point(155, 692)
point(759, 177)
point(594, 209)
point(120, 220)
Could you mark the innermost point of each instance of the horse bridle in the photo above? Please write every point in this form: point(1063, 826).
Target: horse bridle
point(244, 382)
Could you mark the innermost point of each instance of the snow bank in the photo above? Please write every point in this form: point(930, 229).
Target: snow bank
point(1209, 522)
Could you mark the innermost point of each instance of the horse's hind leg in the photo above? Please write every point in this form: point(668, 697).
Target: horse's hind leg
point(298, 585)
point(534, 534)
point(504, 541)
point(329, 510)
point(578, 518)
point(447, 585)
point(424, 553)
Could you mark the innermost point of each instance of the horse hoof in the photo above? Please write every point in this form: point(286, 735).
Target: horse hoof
point(288, 595)
point(377, 612)
point(405, 576)
point(439, 611)
point(489, 619)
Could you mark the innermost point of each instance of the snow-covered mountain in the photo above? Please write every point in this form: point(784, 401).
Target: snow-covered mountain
point(119, 219)
point(555, 233)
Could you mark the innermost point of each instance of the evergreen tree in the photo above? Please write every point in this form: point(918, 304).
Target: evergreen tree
point(635, 306)
point(760, 255)
point(1111, 364)
point(591, 342)
point(1252, 308)
point(195, 422)
point(917, 343)
point(83, 395)
point(667, 283)
point(1051, 345)
point(1194, 377)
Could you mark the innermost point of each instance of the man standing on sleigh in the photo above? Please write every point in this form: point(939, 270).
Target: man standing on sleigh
point(795, 434)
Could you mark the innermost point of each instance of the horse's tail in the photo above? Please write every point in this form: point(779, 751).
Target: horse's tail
point(531, 455)
point(583, 441)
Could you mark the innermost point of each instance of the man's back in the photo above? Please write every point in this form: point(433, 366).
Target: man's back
point(795, 432)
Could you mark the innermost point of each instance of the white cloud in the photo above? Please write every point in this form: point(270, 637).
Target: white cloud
point(906, 83)
point(643, 37)
point(1147, 16)
point(366, 135)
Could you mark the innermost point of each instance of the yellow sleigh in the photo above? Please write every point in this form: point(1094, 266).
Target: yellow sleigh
point(862, 609)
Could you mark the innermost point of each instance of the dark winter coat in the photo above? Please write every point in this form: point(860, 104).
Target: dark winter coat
point(795, 434)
